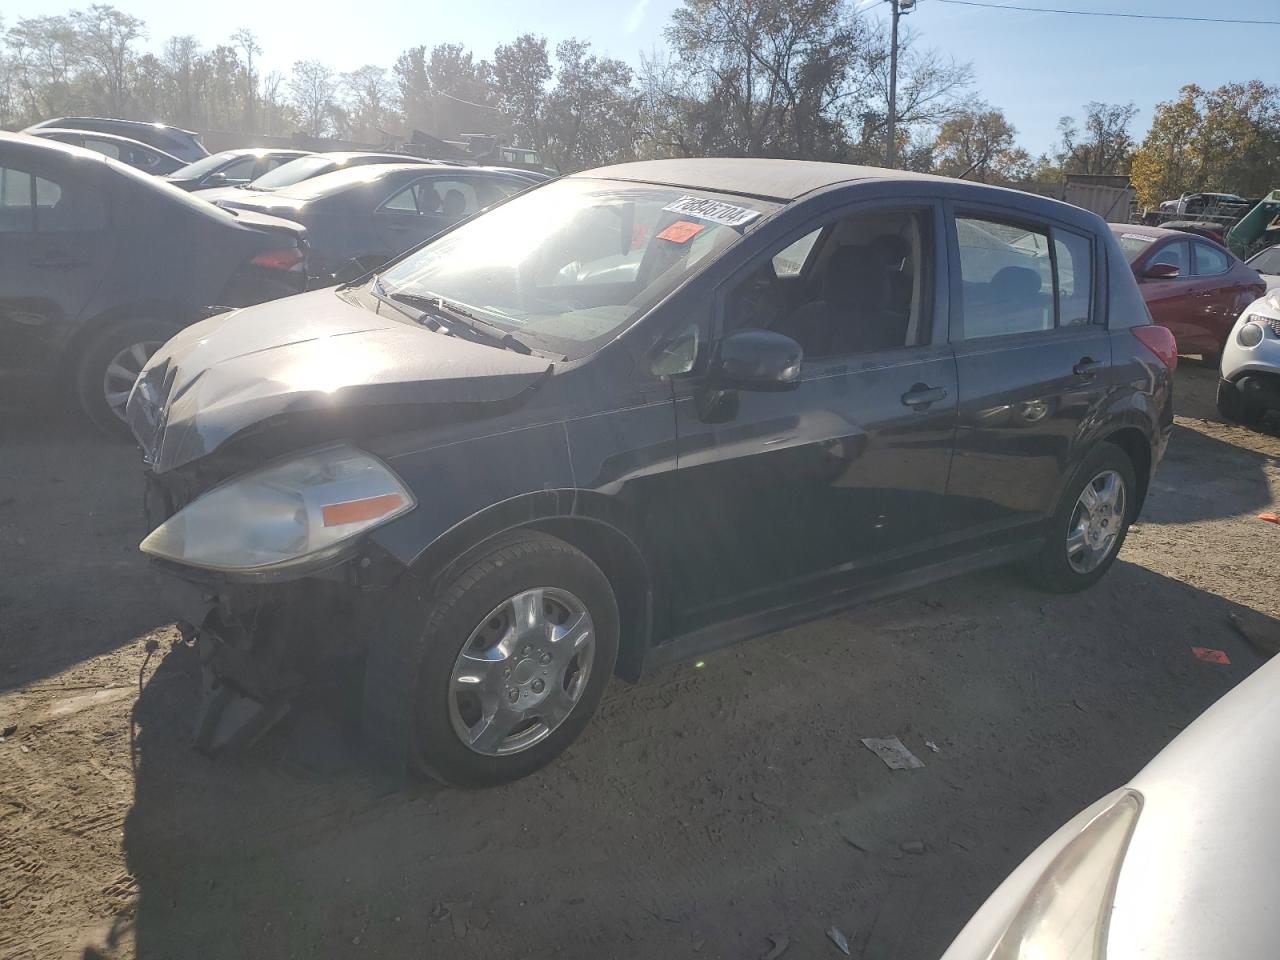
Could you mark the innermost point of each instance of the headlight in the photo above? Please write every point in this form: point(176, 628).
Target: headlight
point(285, 514)
point(1250, 334)
point(1066, 914)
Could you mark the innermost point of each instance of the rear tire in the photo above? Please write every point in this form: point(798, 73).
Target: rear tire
point(1082, 543)
point(456, 663)
point(1236, 407)
point(102, 380)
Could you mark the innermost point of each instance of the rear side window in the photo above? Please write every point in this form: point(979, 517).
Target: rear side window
point(17, 210)
point(1017, 278)
point(105, 147)
point(1006, 274)
point(1210, 261)
point(1073, 255)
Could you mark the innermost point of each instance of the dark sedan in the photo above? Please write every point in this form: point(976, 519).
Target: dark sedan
point(1191, 285)
point(631, 415)
point(367, 215)
point(231, 168)
point(306, 168)
point(183, 144)
point(100, 264)
point(138, 155)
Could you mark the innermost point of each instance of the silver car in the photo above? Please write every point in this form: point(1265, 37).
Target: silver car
point(1178, 864)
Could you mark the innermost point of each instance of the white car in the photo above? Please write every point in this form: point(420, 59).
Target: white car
point(1249, 383)
point(1267, 263)
point(1178, 864)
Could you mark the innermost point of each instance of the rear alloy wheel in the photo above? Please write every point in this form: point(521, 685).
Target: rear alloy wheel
point(491, 673)
point(1236, 407)
point(1090, 523)
point(110, 365)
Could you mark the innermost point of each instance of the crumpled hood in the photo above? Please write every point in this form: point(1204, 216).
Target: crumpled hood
point(314, 352)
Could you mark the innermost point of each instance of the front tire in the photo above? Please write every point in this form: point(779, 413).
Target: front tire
point(108, 366)
point(1090, 523)
point(1236, 407)
point(492, 673)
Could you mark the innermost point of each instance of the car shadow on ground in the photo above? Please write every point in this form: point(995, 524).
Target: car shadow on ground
point(1205, 478)
point(707, 808)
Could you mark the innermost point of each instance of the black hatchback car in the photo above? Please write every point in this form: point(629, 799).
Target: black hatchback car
point(100, 264)
point(361, 217)
point(632, 415)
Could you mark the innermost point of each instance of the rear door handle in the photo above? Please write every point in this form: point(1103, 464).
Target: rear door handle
point(1088, 367)
point(920, 396)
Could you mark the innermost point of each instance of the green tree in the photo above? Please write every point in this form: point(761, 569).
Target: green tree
point(521, 70)
point(1103, 145)
point(977, 143)
point(592, 111)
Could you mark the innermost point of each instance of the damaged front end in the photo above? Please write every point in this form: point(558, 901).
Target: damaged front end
point(264, 635)
point(260, 493)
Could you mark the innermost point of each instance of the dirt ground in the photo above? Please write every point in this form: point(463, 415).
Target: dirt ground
point(706, 810)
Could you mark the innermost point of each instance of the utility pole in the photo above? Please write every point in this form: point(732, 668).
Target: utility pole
point(900, 7)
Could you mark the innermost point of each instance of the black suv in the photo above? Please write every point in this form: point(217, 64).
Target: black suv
point(629, 416)
point(101, 263)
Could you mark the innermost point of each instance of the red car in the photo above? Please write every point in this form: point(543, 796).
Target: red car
point(1193, 286)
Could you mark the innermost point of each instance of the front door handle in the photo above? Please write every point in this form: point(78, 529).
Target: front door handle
point(1088, 367)
point(921, 395)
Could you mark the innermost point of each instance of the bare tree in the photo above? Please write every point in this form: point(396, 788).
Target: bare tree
point(247, 43)
point(311, 90)
point(368, 101)
point(106, 37)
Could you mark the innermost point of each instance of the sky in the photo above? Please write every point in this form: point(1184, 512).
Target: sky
point(1036, 67)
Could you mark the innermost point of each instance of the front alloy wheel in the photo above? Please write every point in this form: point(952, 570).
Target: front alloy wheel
point(122, 370)
point(489, 673)
point(522, 671)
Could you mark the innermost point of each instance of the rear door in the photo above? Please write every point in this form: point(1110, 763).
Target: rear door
point(1171, 300)
point(54, 251)
point(1219, 294)
point(1033, 362)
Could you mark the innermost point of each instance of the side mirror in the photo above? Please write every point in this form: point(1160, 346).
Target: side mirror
point(1161, 271)
point(214, 180)
point(756, 360)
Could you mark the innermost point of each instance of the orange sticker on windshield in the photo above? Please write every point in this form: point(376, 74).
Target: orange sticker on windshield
point(682, 231)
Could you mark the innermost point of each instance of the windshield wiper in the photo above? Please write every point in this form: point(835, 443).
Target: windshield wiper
point(451, 316)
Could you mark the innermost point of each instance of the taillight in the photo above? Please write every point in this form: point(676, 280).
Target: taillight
point(1159, 341)
point(290, 259)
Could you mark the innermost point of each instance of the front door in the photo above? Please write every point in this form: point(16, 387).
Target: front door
point(784, 496)
point(53, 254)
point(1033, 362)
point(1170, 300)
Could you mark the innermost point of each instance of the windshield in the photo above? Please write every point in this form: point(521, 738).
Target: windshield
point(204, 166)
point(572, 263)
point(1268, 261)
point(1134, 245)
point(293, 172)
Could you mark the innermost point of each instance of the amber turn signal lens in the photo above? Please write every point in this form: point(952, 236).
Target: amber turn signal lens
point(353, 511)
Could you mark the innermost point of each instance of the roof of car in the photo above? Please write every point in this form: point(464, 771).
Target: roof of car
point(346, 177)
point(134, 123)
point(342, 156)
point(757, 177)
point(43, 132)
point(1143, 231)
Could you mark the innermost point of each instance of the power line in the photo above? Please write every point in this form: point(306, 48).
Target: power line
point(1111, 13)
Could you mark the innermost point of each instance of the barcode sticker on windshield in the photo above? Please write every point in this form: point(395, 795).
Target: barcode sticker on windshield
point(716, 211)
point(1138, 236)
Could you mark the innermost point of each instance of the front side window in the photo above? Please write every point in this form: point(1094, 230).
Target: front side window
point(1210, 261)
point(572, 263)
point(866, 288)
point(240, 170)
point(202, 167)
point(1006, 274)
point(1176, 254)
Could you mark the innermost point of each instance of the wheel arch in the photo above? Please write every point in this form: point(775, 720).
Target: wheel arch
point(97, 326)
point(1138, 448)
point(592, 522)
